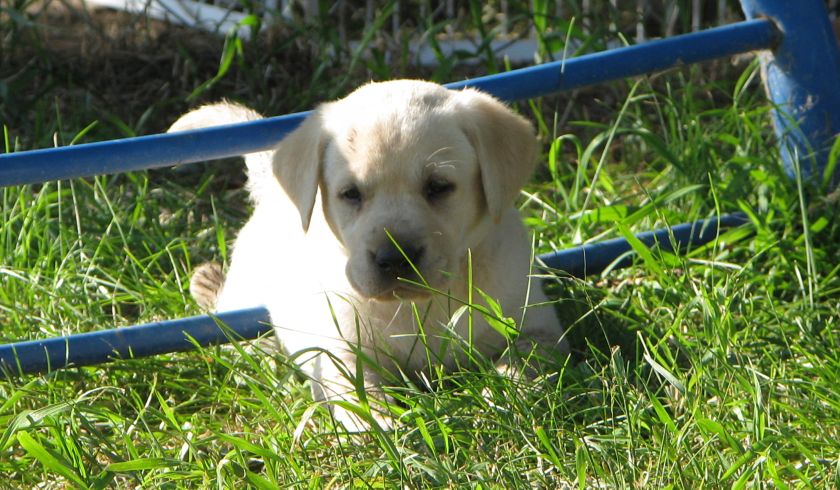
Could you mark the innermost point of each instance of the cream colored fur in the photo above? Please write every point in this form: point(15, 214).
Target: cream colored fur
point(439, 170)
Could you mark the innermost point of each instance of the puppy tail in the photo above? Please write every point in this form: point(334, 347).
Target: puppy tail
point(214, 115)
point(259, 164)
point(206, 284)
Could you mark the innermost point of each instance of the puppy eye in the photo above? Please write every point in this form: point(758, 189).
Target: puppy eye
point(437, 188)
point(351, 194)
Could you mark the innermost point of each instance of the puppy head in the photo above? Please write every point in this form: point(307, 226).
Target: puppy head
point(411, 175)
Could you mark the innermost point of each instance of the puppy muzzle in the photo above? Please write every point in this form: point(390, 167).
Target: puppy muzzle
point(392, 261)
point(394, 269)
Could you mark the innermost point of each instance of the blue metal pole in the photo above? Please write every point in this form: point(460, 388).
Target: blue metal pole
point(802, 76)
point(145, 152)
point(157, 151)
point(92, 348)
point(206, 144)
point(593, 258)
point(137, 341)
point(614, 64)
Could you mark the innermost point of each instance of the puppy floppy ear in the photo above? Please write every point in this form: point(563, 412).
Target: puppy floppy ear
point(297, 164)
point(505, 144)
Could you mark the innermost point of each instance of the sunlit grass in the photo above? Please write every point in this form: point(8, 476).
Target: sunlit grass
point(714, 368)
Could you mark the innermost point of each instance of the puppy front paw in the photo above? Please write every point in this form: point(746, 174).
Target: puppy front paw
point(361, 420)
point(359, 404)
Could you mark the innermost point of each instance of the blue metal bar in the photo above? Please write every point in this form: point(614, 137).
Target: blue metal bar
point(157, 151)
point(594, 258)
point(145, 152)
point(803, 81)
point(614, 64)
point(92, 348)
point(137, 341)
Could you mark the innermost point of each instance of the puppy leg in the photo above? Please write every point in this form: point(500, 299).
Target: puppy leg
point(542, 338)
point(338, 383)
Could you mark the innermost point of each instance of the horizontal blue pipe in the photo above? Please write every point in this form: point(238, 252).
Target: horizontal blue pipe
point(163, 150)
point(618, 63)
point(593, 258)
point(92, 348)
point(145, 152)
point(137, 341)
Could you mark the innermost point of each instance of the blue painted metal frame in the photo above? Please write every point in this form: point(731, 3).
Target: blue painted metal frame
point(787, 74)
point(802, 77)
point(163, 150)
point(36, 356)
point(594, 258)
point(137, 341)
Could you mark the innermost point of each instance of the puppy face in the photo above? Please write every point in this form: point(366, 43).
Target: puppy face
point(403, 194)
point(411, 176)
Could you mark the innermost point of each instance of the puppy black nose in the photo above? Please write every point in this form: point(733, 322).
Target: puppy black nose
point(389, 259)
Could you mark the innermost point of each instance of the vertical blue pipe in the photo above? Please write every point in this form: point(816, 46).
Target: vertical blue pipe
point(802, 77)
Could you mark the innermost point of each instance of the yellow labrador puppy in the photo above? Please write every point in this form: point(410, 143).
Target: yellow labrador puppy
point(370, 221)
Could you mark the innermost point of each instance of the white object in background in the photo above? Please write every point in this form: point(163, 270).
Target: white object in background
point(184, 12)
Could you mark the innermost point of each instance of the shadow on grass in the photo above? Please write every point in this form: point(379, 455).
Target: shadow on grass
point(593, 321)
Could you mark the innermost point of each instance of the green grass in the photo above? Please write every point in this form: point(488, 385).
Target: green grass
point(714, 369)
